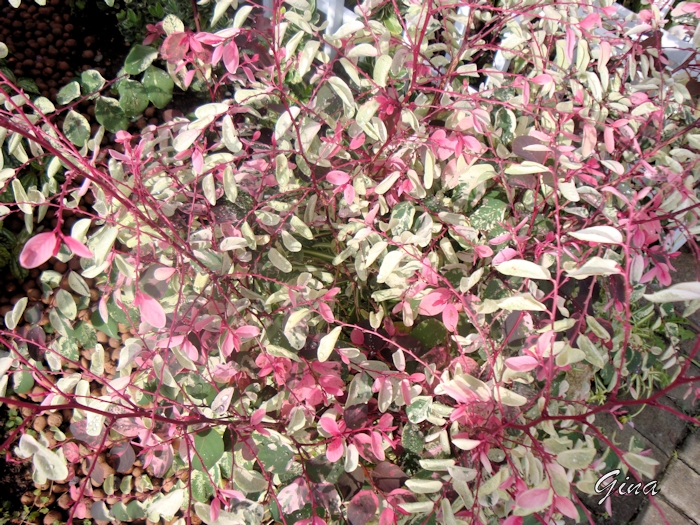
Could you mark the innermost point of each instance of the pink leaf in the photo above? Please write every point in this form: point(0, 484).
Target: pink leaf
point(163, 274)
point(188, 77)
point(335, 449)
point(77, 247)
point(483, 251)
point(338, 178)
point(358, 141)
point(543, 79)
point(231, 58)
point(326, 312)
point(174, 47)
point(522, 363)
point(570, 44)
point(215, 509)
point(330, 425)
point(151, 310)
point(349, 194)
point(388, 517)
point(590, 21)
point(38, 250)
point(532, 499)
point(566, 507)
point(102, 308)
point(513, 520)
point(377, 448)
point(504, 255)
point(609, 139)
point(216, 55)
point(362, 507)
point(590, 136)
point(257, 416)
point(197, 161)
point(247, 332)
point(450, 317)
point(433, 303)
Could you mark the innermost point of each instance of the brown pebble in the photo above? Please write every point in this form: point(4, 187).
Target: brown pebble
point(34, 294)
point(88, 54)
point(4, 309)
point(114, 343)
point(71, 42)
point(39, 423)
point(63, 65)
point(55, 419)
point(28, 498)
point(52, 517)
point(60, 266)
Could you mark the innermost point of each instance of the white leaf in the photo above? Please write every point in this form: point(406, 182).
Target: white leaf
point(448, 517)
point(389, 263)
point(185, 139)
point(417, 507)
point(209, 188)
point(508, 397)
point(521, 302)
point(437, 464)
point(222, 401)
point(307, 56)
point(327, 344)
point(522, 268)
point(677, 292)
point(343, 91)
point(642, 464)
point(284, 122)
point(290, 242)
point(465, 444)
point(595, 266)
point(424, 486)
point(295, 318)
point(527, 167)
point(374, 252)
point(279, 261)
point(241, 15)
point(462, 473)
point(601, 234)
point(381, 70)
point(576, 459)
point(168, 505)
point(233, 243)
point(362, 50)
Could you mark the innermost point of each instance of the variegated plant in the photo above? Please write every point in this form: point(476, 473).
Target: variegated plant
point(390, 273)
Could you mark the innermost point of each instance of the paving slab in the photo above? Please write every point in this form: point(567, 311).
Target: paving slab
point(680, 486)
point(690, 452)
point(661, 427)
point(624, 508)
point(689, 404)
point(650, 514)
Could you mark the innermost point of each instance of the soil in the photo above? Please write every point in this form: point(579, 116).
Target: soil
point(15, 479)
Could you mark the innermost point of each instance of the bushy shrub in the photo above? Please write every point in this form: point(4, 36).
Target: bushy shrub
point(377, 277)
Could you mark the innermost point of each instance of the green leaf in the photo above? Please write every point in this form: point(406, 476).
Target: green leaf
point(430, 332)
point(69, 92)
point(274, 455)
point(159, 86)
point(109, 113)
point(86, 335)
point(110, 328)
point(419, 408)
point(76, 128)
point(489, 214)
point(28, 85)
point(210, 447)
point(91, 81)
point(402, 217)
point(139, 58)
point(412, 439)
point(68, 348)
point(133, 97)
point(202, 488)
point(66, 304)
point(22, 382)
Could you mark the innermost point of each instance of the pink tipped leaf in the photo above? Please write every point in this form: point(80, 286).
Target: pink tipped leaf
point(39, 249)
